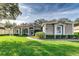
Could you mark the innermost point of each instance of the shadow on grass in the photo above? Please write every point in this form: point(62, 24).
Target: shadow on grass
point(35, 48)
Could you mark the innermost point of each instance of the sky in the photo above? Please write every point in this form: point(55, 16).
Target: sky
point(47, 11)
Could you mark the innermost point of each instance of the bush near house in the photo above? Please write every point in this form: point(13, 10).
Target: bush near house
point(62, 36)
point(40, 35)
point(77, 33)
point(50, 36)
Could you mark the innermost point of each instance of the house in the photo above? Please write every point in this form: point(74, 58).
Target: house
point(23, 29)
point(26, 29)
point(53, 27)
point(58, 27)
point(2, 29)
point(5, 31)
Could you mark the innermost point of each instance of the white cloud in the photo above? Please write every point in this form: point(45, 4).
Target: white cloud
point(25, 9)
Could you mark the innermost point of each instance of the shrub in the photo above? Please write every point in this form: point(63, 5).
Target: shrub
point(40, 35)
point(77, 33)
point(49, 36)
point(62, 36)
point(76, 36)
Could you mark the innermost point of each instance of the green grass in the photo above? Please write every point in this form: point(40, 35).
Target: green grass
point(22, 46)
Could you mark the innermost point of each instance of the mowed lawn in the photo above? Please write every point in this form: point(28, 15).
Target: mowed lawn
point(22, 46)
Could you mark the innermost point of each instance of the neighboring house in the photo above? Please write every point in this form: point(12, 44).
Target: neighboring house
point(58, 27)
point(26, 29)
point(4, 30)
point(76, 27)
point(23, 29)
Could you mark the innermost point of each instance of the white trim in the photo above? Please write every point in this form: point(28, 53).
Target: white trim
point(56, 28)
point(44, 28)
point(28, 31)
point(21, 31)
point(64, 29)
point(73, 28)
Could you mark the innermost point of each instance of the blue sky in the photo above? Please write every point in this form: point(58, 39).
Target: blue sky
point(48, 11)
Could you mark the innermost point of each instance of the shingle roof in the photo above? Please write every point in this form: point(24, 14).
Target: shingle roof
point(58, 21)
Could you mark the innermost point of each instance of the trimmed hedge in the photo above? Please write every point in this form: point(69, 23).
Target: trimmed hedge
point(62, 36)
point(49, 36)
point(40, 35)
point(77, 33)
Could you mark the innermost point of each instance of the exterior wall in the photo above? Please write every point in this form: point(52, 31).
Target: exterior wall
point(48, 29)
point(68, 29)
point(8, 31)
point(1, 31)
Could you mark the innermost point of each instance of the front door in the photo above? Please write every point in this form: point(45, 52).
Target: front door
point(59, 30)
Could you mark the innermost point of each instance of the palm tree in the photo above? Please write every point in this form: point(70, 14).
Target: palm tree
point(9, 10)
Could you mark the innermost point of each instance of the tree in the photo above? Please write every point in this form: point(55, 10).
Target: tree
point(9, 10)
point(64, 19)
point(37, 24)
point(77, 20)
point(40, 21)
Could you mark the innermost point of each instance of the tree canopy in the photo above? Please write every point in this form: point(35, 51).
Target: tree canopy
point(77, 20)
point(9, 10)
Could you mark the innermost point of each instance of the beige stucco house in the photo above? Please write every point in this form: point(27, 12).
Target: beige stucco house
point(4, 30)
point(53, 27)
point(26, 29)
point(58, 27)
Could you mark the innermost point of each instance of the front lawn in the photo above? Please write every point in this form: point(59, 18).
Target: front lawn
point(22, 46)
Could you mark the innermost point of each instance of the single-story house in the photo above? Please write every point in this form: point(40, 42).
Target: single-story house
point(58, 27)
point(23, 29)
point(53, 27)
point(26, 29)
point(4, 30)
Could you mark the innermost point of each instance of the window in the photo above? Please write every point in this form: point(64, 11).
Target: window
point(58, 29)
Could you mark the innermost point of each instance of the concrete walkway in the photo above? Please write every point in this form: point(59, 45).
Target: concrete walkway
point(32, 38)
point(54, 39)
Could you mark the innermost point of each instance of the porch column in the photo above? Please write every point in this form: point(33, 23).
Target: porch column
point(28, 31)
point(64, 29)
point(45, 29)
point(21, 31)
point(33, 31)
point(55, 29)
point(18, 31)
point(55, 26)
point(73, 28)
